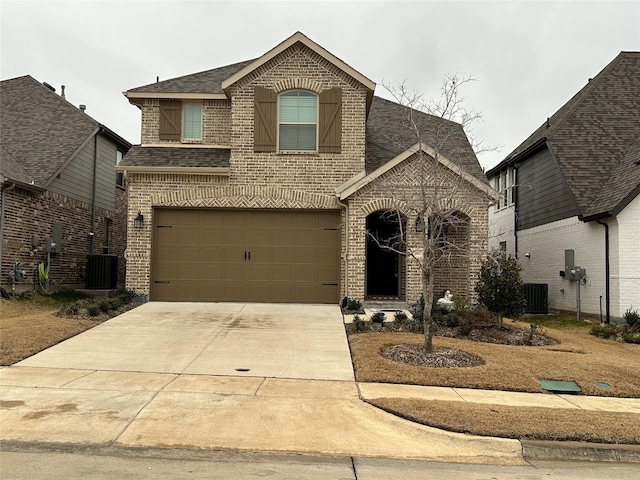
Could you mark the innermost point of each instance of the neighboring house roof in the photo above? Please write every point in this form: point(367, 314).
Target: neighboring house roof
point(41, 131)
point(388, 135)
point(594, 139)
point(175, 157)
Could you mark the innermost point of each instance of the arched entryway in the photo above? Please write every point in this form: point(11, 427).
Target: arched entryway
point(385, 261)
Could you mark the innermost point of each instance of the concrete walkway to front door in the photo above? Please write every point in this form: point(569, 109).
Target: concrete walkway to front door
point(274, 378)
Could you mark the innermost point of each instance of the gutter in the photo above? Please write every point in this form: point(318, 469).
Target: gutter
point(13, 185)
point(606, 271)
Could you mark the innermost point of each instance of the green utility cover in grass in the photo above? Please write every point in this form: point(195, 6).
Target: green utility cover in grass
point(558, 386)
point(602, 385)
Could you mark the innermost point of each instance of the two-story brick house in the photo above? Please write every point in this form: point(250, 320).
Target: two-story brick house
point(61, 198)
point(570, 197)
point(259, 181)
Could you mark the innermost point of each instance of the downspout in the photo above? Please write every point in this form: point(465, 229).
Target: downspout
point(515, 210)
point(346, 246)
point(13, 185)
point(94, 190)
point(606, 271)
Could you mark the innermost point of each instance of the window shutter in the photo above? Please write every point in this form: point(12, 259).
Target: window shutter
point(330, 118)
point(265, 120)
point(170, 120)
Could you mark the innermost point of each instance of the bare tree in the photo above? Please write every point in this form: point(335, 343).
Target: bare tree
point(435, 129)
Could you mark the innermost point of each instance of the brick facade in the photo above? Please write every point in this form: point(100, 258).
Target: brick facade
point(30, 215)
point(293, 180)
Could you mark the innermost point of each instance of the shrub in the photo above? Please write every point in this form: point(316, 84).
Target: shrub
point(465, 330)
point(451, 320)
point(632, 317)
point(378, 317)
point(500, 286)
point(400, 317)
point(417, 310)
point(126, 295)
point(70, 309)
point(353, 305)
point(604, 331)
point(631, 337)
point(359, 325)
point(93, 310)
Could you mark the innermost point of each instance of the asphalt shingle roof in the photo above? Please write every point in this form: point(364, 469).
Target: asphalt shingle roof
point(176, 157)
point(594, 137)
point(39, 129)
point(209, 81)
point(388, 136)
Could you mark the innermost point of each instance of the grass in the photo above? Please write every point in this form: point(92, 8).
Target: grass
point(518, 422)
point(29, 324)
point(577, 356)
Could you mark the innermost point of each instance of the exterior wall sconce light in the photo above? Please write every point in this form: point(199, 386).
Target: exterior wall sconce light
point(138, 222)
point(419, 224)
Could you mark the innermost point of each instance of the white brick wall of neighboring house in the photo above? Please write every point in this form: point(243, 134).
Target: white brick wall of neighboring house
point(628, 259)
point(546, 245)
point(501, 228)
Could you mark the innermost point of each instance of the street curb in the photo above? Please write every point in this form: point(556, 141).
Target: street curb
point(593, 452)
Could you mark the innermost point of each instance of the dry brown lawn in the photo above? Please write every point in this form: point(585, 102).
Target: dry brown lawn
point(577, 356)
point(29, 326)
point(518, 422)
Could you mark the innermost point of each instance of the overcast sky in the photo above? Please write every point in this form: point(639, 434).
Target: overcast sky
point(529, 57)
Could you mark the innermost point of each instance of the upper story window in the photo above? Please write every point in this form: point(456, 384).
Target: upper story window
point(192, 121)
point(297, 121)
point(180, 121)
point(504, 183)
point(119, 175)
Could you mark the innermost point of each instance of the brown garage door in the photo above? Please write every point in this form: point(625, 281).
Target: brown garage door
point(245, 255)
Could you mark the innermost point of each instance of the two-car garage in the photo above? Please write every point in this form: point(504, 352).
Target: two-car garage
point(205, 255)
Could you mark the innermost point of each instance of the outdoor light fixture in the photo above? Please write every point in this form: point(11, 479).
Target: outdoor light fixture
point(419, 224)
point(138, 222)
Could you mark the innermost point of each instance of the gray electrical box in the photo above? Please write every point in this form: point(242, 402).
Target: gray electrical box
point(54, 243)
point(569, 263)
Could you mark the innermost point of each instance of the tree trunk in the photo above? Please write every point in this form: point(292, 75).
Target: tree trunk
point(427, 294)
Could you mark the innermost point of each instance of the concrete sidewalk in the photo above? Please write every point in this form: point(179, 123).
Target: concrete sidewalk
point(60, 406)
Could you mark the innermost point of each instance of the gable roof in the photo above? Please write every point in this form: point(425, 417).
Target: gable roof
point(292, 40)
point(387, 136)
point(594, 138)
point(212, 84)
point(41, 131)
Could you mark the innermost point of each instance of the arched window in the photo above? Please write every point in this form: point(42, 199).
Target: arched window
point(298, 121)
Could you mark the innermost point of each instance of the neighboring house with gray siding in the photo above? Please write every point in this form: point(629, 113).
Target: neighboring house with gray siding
point(574, 185)
point(263, 180)
point(58, 179)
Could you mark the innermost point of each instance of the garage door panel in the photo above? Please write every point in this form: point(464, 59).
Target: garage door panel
point(245, 255)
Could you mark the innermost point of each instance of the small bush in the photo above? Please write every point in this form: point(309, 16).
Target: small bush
point(70, 309)
point(353, 305)
point(417, 310)
point(451, 320)
point(604, 331)
point(465, 330)
point(378, 317)
point(632, 317)
point(126, 295)
point(631, 337)
point(400, 317)
point(93, 310)
point(359, 325)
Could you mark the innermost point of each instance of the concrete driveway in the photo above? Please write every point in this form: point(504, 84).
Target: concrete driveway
point(254, 340)
point(254, 377)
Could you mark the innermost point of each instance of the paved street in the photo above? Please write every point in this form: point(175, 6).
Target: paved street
point(36, 464)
